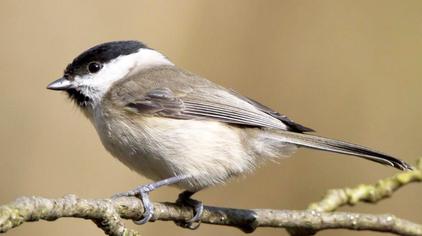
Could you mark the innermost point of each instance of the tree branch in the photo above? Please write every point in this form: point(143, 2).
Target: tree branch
point(108, 213)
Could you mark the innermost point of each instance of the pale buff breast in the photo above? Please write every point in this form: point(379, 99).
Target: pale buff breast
point(160, 148)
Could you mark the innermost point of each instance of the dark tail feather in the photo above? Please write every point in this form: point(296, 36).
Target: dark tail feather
point(325, 144)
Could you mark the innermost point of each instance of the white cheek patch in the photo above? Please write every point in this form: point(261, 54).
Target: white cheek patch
point(146, 58)
point(96, 85)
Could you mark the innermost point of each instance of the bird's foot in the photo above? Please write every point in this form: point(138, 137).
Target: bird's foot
point(185, 199)
point(141, 192)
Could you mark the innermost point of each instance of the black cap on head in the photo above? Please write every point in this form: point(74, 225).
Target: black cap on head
point(102, 53)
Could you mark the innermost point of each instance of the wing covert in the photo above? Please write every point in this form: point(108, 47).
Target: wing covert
point(163, 102)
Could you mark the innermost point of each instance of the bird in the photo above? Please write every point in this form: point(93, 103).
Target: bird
point(177, 128)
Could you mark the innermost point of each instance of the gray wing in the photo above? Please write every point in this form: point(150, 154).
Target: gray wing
point(172, 92)
point(293, 126)
point(216, 104)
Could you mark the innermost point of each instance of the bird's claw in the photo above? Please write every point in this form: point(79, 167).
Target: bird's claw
point(185, 199)
point(141, 192)
point(147, 215)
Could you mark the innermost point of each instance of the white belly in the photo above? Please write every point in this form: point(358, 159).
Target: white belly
point(160, 148)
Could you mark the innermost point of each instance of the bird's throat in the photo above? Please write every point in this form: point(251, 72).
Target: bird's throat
point(79, 98)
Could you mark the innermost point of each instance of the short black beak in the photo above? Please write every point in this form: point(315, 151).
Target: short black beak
point(60, 84)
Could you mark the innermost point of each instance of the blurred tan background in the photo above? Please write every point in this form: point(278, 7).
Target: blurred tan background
point(349, 69)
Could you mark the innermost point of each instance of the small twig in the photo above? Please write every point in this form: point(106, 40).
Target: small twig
point(384, 188)
point(336, 198)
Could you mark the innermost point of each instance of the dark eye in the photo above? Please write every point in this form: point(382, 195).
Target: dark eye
point(94, 67)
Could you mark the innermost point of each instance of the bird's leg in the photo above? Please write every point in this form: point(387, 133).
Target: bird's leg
point(185, 199)
point(142, 192)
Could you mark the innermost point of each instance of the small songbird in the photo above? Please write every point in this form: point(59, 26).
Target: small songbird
point(178, 128)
